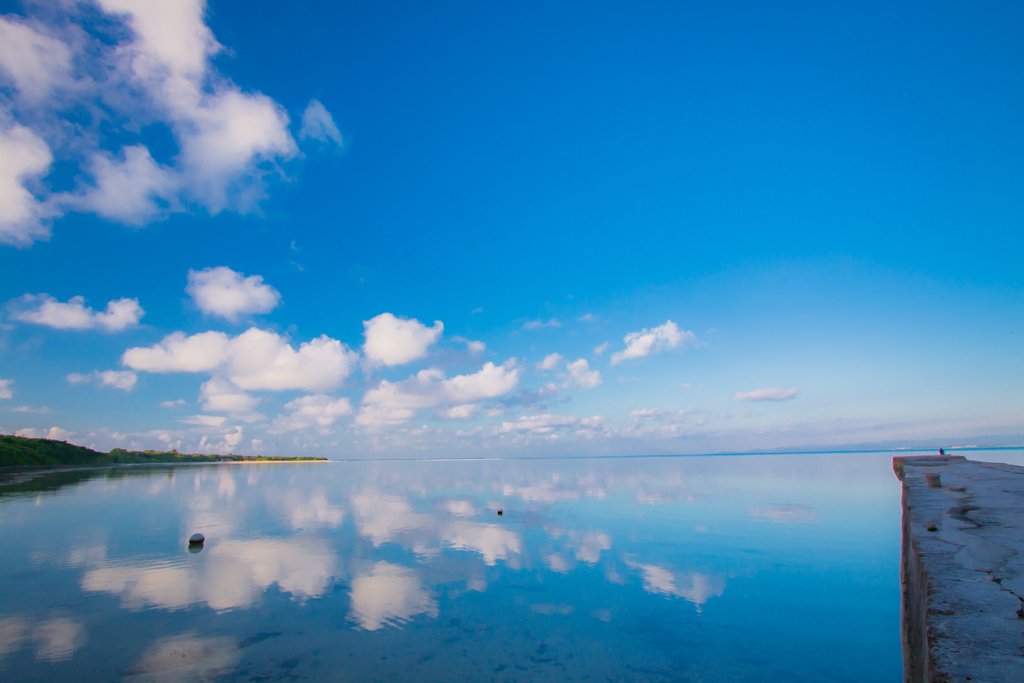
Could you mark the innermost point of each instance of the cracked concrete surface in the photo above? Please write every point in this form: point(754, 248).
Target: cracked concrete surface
point(963, 569)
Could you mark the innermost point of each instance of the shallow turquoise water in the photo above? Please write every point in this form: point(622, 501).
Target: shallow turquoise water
point(727, 568)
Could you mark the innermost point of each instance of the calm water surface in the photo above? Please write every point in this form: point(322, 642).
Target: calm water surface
point(738, 568)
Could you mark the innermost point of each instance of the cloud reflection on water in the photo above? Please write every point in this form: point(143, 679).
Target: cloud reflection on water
point(389, 594)
point(234, 574)
point(375, 554)
point(186, 657)
point(694, 587)
point(55, 639)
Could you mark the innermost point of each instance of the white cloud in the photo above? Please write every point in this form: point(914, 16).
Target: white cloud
point(539, 424)
point(768, 394)
point(466, 411)
point(5, 388)
point(648, 341)
point(221, 396)
point(118, 379)
point(75, 315)
point(55, 433)
point(160, 70)
point(222, 132)
point(34, 61)
point(600, 348)
point(471, 345)
point(231, 440)
point(318, 124)
point(548, 424)
point(225, 293)
point(24, 156)
point(397, 402)
point(536, 324)
point(177, 353)
point(315, 410)
point(588, 318)
point(132, 189)
point(579, 375)
point(550, 361)
point(254, 360)
point(395, 341)
point(173, 404)
point(259, 359)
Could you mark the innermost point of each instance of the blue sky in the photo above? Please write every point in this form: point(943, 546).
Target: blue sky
point(678, 228)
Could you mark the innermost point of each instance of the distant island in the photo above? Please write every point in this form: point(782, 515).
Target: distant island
point(19, 451)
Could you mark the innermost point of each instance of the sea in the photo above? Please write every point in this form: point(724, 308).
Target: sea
point(781, 567)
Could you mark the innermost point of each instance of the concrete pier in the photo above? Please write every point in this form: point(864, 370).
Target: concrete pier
point(962, 570)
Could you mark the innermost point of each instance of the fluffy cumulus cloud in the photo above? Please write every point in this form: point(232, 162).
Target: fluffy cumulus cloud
point(227, 294)
point(768, 394)
point(254, 360)
point(392, 403)
point(24, 158)
point(221, 396)
point(130, 187)
point(5, 388)
point(260, 359)
point(33, 62)
point(43, 309)
point(179, 353)
point(395, 341)
point(550, 361)
point(653, 340)
point(118, 379)
point(578, 375)
point(55, 433)
point(318, 124)
point(159, 71)
point(317, 410)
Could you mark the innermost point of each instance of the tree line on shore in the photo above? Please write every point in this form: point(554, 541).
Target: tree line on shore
point(19, 451)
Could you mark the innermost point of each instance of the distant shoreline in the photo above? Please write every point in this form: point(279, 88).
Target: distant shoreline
point(22, 452)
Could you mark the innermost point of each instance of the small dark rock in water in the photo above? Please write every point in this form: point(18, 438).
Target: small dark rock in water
point(499, 513)
point(196, 539)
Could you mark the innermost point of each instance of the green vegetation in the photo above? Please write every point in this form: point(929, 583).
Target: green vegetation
point(19, 451)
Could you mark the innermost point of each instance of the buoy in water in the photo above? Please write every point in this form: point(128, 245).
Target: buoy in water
point(499, 512)
point(196, 539)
